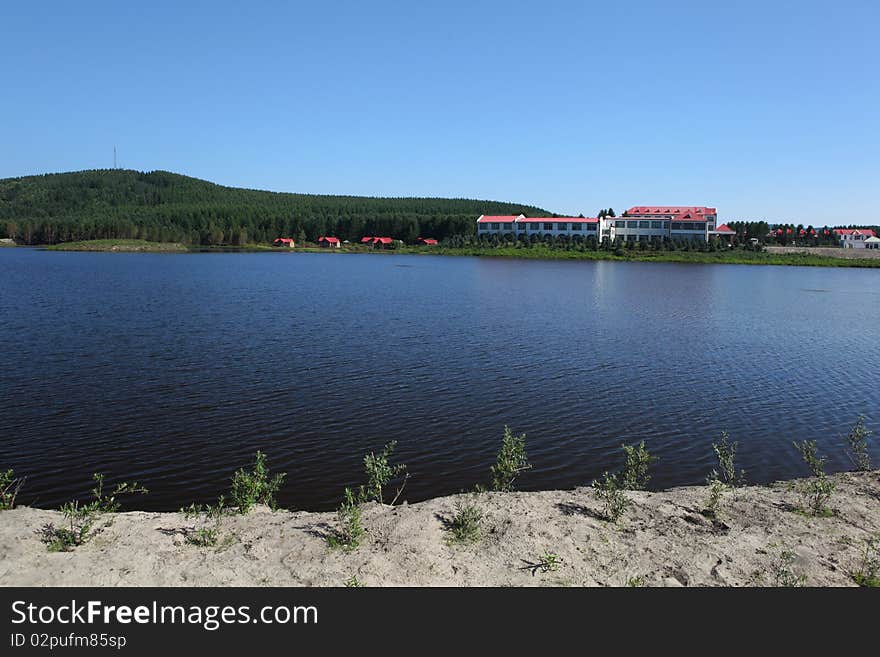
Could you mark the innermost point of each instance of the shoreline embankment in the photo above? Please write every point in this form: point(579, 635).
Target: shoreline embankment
point(759, 536)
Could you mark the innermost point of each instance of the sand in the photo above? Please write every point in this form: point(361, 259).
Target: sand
point(662, 540)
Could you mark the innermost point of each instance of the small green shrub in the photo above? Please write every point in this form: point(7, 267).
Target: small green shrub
point(635, 469)
point(549, 562)
point(203, 537)
point(783, 571)
point(255, 486)
point(10, 485)
point(867, 573)
point(815, 492)
point(210, 517)
point(546, 563)
point(511, 461)
point(81, 518)
point(354, 583)
point(380, 473)
point(636, 582)
point(725, 453)
point(713, 504)
point(811, 457)
point(350, 531)
point(614, 500)
point(857, 441)
point(465, 524)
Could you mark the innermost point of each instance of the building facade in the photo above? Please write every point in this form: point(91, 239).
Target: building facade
point(639, 223)
point(645, 223)
point(522, 225)
point(855, 238)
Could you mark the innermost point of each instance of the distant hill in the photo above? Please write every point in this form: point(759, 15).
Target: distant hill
point(168, 207)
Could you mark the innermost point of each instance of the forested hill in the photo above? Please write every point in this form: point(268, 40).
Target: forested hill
point(168, 207)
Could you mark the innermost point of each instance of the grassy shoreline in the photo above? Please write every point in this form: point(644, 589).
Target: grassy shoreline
point(119, 246)
point(732, 257)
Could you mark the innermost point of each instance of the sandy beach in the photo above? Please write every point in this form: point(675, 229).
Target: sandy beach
point(664, 539)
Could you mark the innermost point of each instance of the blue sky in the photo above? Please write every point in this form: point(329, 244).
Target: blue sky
point(763, 109)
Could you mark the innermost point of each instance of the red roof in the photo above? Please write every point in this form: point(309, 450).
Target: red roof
point(427, 240)
point(499, 219)
point(284, 240)
point(850, 231)
point(383, 240)
point(724, 228)
point(678, 212)
point(332, 240)
point(364, 240)
point(577, 220)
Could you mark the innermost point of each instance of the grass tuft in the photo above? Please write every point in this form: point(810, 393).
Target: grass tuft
point(255, 486)
point(465, 525)
point(81, 518)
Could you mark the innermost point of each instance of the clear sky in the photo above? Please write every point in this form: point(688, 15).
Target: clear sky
point(764, 109)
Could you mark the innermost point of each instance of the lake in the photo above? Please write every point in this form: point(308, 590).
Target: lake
point(173, 369)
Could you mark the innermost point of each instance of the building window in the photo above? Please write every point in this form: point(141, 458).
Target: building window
point(496, 226)
point(656, 224)
point(644, 224)
point(561, 226)
point(620, 224)
point(575, 226)
point(676, 225)
point(632, 224)
point(548, 226)
point(593, 227)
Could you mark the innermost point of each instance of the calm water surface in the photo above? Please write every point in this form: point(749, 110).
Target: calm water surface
point(174, 369)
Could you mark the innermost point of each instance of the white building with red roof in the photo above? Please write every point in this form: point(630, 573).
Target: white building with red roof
point(857, 238)
point(647, 222)
point(642, 222)
point(328, 242)
point(522, 225)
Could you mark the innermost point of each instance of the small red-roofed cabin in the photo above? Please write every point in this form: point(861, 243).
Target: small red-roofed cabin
point(378, 242)
point(284, 241)
point(328, 242)
point(426, 241)
point(724, 231)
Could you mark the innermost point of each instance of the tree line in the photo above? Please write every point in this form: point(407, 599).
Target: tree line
point(162, 206)
point(789, 233)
